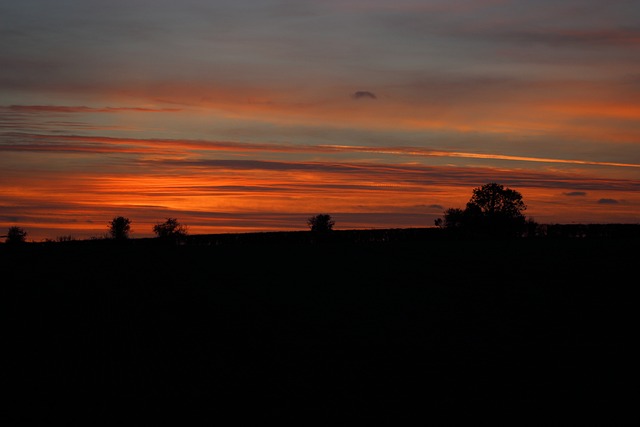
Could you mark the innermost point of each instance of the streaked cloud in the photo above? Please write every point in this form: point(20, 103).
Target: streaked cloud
point(71, 143)
point(567, 37)
point(83, 109)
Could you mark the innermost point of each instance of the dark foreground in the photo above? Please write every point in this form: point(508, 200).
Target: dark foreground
point(528, 332)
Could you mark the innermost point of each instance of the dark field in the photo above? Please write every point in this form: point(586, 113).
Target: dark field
point(423, 331)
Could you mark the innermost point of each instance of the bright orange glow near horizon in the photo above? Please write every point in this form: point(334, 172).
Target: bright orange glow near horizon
point(256, 121)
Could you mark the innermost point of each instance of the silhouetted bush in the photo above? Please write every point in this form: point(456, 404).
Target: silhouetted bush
point(16, 235)
point(171, 229)
point(321, 223)
point(120, 227)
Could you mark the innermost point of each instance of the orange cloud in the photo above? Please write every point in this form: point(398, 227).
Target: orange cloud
point(216, 195)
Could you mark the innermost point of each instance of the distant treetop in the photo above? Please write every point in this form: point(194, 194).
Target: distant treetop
point(120, 227)
point(492, 210)
point(170, 229)
point(321, 223)
point(16, 235)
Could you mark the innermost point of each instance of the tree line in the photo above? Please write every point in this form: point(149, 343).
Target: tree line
point(492, 210)
point(119, 228)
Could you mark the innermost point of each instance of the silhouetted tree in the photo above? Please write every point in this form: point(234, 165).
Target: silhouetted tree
point(492, 210)
point(119, 228)
point(321, 223)
point(16, 235)
point(170, 229)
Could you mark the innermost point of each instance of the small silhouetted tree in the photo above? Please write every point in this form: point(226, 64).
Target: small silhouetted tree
point(454, 218)
point(321, 223)
point(119, 228)
point(170, 229)
point(16, 235)
point(492, 210)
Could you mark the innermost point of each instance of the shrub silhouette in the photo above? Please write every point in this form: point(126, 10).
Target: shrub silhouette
point(492, 210)
point(119, 228)
point(321, 223)
point(16, 235)
point(170, 229)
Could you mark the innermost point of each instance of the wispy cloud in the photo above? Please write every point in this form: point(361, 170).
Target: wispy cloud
point(84, 109)
point(567, 37)
point(409, 151)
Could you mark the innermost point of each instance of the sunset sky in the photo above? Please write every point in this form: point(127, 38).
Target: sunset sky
point(242, 116)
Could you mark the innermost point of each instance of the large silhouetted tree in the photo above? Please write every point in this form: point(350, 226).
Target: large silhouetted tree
point(321, 223)
point(119, 228)
point(492, 210)
point(16, 235)
point(171, 229)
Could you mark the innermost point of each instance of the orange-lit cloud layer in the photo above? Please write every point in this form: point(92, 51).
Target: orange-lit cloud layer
point(218, 186)
point(251, 116)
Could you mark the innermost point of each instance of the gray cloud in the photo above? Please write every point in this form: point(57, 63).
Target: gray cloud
point(433, 206)
point(608, 202)
point(364, 94)
point(575, 193)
